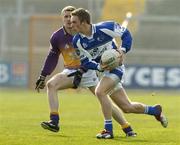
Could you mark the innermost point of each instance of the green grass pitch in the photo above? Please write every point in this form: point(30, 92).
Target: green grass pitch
point(21, 112)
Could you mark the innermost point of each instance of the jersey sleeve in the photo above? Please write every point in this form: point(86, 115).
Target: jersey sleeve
point(114, 29)
point(52, 58)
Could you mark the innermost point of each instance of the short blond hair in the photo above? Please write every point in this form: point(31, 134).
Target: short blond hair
point(68, 8)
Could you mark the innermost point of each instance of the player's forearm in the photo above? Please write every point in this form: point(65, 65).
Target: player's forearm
point(126, 41)
point(89, 64)
point(50, 63)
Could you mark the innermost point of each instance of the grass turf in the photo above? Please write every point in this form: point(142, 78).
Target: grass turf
point(21, 112)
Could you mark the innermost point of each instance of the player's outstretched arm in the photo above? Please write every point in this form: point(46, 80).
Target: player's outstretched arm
point(49, 65)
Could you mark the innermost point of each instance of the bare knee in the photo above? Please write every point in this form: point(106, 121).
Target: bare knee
point(50, 85)
point(99, 93)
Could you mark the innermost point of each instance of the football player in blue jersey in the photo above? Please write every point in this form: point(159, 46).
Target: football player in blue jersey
point(91, 41)
point(61, 43)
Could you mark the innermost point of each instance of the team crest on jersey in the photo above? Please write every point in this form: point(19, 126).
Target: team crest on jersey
point(67, 46)
point(84, 45)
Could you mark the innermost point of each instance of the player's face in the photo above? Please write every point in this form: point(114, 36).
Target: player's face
point(76, 24)
point(66, 16)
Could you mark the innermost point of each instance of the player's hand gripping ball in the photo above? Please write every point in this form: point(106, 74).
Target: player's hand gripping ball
point(111, 59)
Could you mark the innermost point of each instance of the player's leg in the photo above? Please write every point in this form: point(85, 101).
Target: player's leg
point(120, 97)
point(116, 112)
point(119, 117)
point(90, 80)
point(102, 89)
point(53, 85)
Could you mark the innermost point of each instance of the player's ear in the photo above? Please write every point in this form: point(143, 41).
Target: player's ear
point(83, 22)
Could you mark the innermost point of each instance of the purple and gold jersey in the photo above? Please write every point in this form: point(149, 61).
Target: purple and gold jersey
point(61, 43)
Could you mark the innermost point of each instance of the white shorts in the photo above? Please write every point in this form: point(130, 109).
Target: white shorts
point(89, 78)
point(115, 78)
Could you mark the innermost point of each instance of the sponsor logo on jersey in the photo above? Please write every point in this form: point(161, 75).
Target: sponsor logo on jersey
point(100, 38)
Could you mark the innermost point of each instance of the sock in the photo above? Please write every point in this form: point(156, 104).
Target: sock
point(126, 128)
point(108, 125)
point(54, 116)
point(151, 110)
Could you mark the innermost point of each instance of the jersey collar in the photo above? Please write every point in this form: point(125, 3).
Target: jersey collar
point(65, 32)
point(93, 30)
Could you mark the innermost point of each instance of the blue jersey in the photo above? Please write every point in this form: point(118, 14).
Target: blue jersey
point(90, 48)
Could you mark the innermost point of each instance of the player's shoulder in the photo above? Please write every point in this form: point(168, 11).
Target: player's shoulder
point(57, 34)
point(105, 25)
